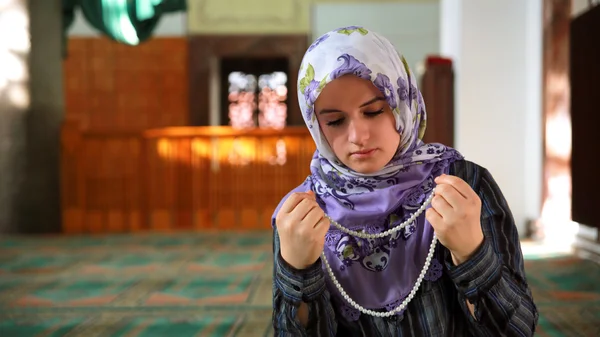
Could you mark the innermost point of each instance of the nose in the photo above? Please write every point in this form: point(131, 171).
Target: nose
point(358, 133)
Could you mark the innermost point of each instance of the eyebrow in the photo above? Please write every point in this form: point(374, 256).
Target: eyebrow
point(373, 100)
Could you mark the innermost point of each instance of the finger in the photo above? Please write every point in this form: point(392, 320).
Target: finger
point(303, 209)
point(291, 202)
point(434, 218)
point(460, 185)
point(450, 194)
point(313, 217)
point(311, 195)
point(441, 206)
point(322, 227)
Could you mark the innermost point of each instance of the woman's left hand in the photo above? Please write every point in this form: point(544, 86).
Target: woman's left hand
point(455, 216)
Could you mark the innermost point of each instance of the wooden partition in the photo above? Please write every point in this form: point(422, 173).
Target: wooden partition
point(437, 87)
point(183, 178)
point(584, 76)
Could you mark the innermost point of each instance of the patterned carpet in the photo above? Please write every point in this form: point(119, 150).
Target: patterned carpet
point(566, 291)
point(155, 285)
point(203, 285)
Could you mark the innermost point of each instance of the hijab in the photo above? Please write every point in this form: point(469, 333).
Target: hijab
point(376, 273)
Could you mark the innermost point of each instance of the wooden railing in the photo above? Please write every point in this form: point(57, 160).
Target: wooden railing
point(178, 178)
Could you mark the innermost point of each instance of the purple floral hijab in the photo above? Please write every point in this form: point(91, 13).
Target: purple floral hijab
point(379, 273)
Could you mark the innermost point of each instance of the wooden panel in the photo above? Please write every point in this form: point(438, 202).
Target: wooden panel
point(437, 88)
point(179, 178)
point(555, 96)
point(111, 86)
point(585, 74)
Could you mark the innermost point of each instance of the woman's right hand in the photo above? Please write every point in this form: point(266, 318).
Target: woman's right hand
point(302, 226)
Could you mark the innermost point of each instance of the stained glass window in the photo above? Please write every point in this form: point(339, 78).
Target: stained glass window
point(242, 100)
point(271, 100)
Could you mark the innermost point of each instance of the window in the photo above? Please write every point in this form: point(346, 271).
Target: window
point(271, 100)
point(242, 100)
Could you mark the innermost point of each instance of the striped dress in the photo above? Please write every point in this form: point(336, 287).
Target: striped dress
point(493, 279)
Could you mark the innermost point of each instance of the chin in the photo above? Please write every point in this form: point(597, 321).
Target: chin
point(365, 168)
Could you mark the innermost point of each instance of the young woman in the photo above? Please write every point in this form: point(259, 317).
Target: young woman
point(389, 236)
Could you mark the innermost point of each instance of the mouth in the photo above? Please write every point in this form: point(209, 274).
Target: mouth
point(363, 153)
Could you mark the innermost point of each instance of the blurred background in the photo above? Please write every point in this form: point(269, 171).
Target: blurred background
point(144, 145)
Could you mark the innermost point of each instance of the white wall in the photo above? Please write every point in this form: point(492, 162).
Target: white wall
point(173, 24)
point(412, 27)
point(497, 48)
point(578, 7)
point(534, 149)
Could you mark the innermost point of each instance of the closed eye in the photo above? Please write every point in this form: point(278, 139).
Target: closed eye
point(336, 122)
point(369, 114)
point(373, 113)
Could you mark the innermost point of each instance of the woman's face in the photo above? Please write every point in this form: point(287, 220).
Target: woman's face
point(358, 123)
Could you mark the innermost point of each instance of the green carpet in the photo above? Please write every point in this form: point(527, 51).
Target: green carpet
point(203, 284)
point(136, 286)
point(566, 291)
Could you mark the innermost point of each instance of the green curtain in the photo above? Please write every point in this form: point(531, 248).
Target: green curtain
point(68, 16)
point(125, 21)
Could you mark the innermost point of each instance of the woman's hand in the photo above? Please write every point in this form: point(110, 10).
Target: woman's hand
point(455, 216)
point(302, 226)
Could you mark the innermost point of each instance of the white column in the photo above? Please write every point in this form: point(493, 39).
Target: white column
point(496, 46)
point(31, 113)
point(14, 104)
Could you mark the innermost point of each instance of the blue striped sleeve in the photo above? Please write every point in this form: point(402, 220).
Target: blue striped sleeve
point(299, 285)
point(478, 273)
point(494, 278)
point(291, 287)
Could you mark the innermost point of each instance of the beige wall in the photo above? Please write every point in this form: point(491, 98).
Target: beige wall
point(579, 7)
point(257, 16)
